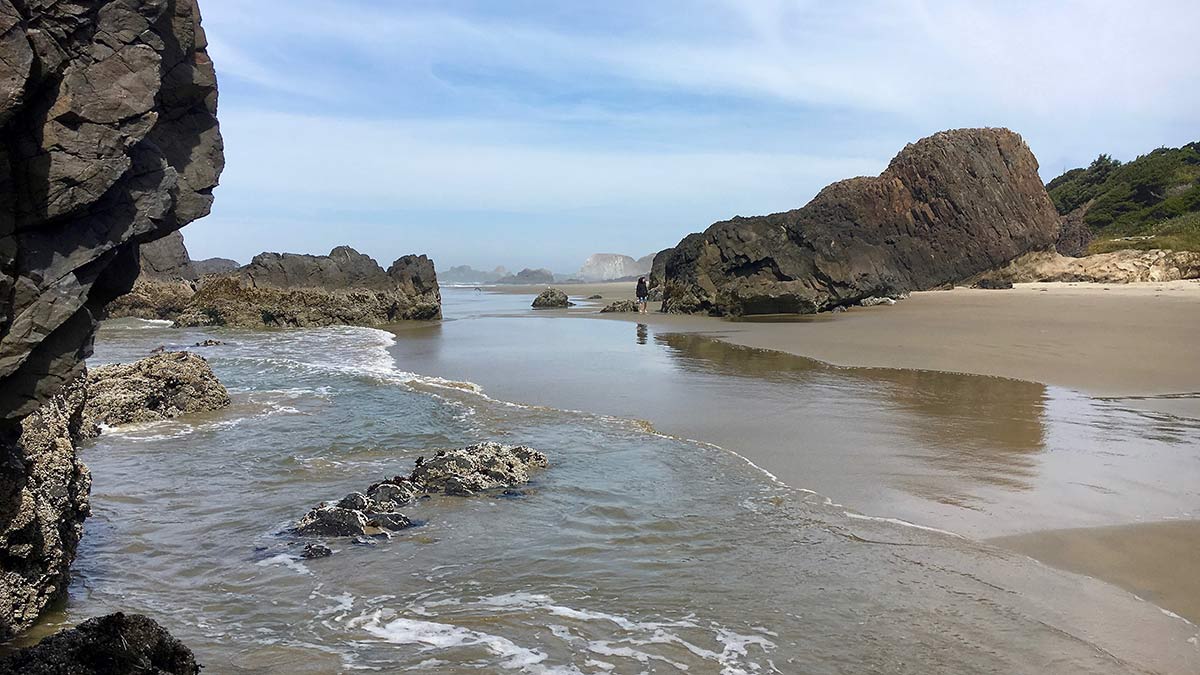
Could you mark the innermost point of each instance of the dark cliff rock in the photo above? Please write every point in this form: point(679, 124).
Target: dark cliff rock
point(106, 645)
point(158, 387)
point(109, 140)
point(947, 207)
point(342, 288)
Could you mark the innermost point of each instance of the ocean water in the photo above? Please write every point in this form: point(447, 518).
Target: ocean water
point(636, 551)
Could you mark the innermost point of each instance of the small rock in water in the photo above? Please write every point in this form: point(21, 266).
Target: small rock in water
point(595, 297)
point(312, 551)
point(552, 298)
point(163, 386)
point(332, 521)
point(208, 343)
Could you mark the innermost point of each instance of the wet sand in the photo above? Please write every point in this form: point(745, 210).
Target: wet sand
point(1155, 561)
point(1133, 346)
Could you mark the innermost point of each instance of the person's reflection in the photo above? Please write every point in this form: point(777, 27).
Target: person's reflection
point(642, 333)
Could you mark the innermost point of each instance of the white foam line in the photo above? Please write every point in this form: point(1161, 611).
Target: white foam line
point(904, 523)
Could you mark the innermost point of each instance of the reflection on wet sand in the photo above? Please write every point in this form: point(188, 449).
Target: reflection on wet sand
point(983, 429)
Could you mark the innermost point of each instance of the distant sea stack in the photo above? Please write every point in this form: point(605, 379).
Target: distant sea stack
point(612, 266)
point(528, 276)
point(108, 114)
point(343, 288)
point(948, 207)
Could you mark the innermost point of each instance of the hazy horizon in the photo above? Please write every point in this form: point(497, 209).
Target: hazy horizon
point(532, 135)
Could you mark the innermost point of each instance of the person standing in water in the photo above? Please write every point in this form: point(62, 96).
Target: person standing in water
point(643, 294)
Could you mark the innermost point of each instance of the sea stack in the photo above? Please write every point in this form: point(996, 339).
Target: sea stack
point(948, 207)
point(343, 288)
point(108, 111)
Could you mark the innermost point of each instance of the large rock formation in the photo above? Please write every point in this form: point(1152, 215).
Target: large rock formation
point(107, 645)
point(109, 140)
point(342, 288)
point(610, 266)
point(1118, 267)
point(158, 387)
point(465, 274)
point(209, 266)
point(947, 207)
point(164, 286)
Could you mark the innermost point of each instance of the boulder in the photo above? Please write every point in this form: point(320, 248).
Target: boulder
point(620, 306)
point(343, 288)
point(106, 645)
point(108, 114)
point(948, 207)
point(476, 468)
point(158, 387)
point(552, 298)
point(1117, 267)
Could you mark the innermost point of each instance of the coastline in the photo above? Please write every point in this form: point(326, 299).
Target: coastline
point(1133, 350)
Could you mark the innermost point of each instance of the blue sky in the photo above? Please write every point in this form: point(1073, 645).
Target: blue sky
point(532, 134)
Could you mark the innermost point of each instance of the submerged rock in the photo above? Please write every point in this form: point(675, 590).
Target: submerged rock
point(342, 288)
point(462, 472)
point(116, 644)
point(947, 207)
point(312, 551)
point(208, 343)
point(620, 306)
point(552, 298)
point(157, 387)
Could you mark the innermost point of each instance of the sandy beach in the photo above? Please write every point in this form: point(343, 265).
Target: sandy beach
point(1134, 346)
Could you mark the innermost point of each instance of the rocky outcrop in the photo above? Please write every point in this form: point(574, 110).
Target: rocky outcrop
point(106, 645)
point(528, 276)
point(610, 266)
point(462, 472)
point(1118, 267)
point(158, 387)
point(552, 298)
point(947, 207)
point(465, 274)
point(1074, 234)
point(342, 288)
point(48, 494)
point(109, 140)
point(620, 306)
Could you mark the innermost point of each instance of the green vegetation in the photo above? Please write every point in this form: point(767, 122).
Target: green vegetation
point(1156, 196)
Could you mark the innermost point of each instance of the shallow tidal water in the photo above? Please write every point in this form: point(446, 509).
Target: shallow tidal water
point(635, 551)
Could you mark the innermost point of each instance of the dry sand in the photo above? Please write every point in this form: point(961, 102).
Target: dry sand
point(1139, 342)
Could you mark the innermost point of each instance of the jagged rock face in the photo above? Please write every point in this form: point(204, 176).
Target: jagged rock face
point(551, 298)
point(46, 501)
point(166, 259)
point(1118, 267)
point(947, 207)
point(158, 387)
point(117, 643)
point(108, 139)
point(607, 266)
point(342, 288)
point(164, 286)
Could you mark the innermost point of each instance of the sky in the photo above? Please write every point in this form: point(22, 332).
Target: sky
point(532, 134)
